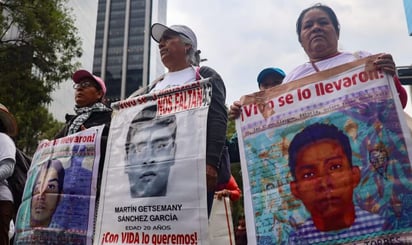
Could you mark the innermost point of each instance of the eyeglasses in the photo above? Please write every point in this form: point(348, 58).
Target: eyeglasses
point(84, 84)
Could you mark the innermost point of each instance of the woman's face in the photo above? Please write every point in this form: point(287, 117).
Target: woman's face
point(87, 94)
point(318, 36)
point(173, 51)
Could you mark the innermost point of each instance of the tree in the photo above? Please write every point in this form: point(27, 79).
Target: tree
point(237, 207)
point(39, 46)
point(231, 129)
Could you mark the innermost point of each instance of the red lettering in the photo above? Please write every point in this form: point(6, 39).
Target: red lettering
point(363, 77)
point(289, 99)
point(347, 82)
point(329, 88)
point(130, 237)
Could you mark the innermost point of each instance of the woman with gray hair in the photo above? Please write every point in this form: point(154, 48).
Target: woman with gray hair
point(179, 54)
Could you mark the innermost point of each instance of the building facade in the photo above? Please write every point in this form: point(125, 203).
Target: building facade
point(122, 51)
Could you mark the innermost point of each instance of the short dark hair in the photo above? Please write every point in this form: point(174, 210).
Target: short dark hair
point(329, 11)
point(313, 133)
point(147, 114)
point(268, 185)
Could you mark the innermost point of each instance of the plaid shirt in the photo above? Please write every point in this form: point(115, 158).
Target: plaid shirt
point(365, 223)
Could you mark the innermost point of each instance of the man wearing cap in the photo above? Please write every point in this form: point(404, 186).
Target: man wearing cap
point(270, 77)
point(179, 54)
point(90, 109)
point(267, 78)
point(8, 128)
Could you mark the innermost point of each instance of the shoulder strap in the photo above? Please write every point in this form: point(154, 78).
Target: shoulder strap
point(198, 76)
point(146, 89)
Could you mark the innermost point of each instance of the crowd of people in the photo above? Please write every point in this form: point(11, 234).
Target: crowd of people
point(318, 31)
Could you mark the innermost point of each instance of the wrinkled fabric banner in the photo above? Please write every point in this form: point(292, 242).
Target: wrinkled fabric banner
point(153, 186)
point(327, 159)
point(59, 196)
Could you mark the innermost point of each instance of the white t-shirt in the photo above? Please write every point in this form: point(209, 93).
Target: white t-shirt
point(307, 68)
point(7, 150)
point(177, 78)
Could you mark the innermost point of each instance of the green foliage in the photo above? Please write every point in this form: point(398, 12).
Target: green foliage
point(238, 206)
point(231, 129)
point(39, 47)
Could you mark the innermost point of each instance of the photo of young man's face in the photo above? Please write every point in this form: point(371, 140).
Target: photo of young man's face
point(150, 154)
point(325, 180)
point(45, 196)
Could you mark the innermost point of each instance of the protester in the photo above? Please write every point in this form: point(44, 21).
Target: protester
point(267, 78)
point(90, 109)
point(240, 231)
point(8, 129)
point(179, 54)
point(229, 189)
point(324, 179)
point(150, 153)
point(47, 193)
point(318, 32)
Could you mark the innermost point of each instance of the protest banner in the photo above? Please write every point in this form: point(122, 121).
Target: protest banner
point(58, 204)
point(327, 160)
point(153, 185)
point(221, 230)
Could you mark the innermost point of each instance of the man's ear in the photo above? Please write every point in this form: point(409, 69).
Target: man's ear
point(356, 175)
point(100, 92)
point(294, 189)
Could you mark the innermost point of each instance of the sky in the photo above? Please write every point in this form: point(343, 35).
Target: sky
point(241, 37)
point(85, 14)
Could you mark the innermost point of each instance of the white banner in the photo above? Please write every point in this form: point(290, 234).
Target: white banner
point(327, 159)
point(59, 197)
point(153, 187)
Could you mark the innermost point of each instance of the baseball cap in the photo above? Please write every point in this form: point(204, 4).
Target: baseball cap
point(270, 70)
point(8, 121)
point(158, 29)
point(79, 75)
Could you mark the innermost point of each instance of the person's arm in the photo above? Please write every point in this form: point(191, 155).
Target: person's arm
point(8, 156)
point(385, 63)
point(235, 110)
point(216, 125)
point(403, 96)
point(233, 148)
point(6, 168)
point(231, 190)
point(234, 190)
